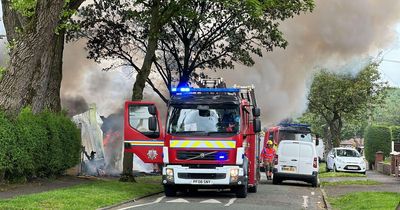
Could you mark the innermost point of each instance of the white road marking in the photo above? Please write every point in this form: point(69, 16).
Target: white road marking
point(144, 204)
point(179, 200)
point(312, 193)
point(210, 201)
point(305, 202)
point(230, 201)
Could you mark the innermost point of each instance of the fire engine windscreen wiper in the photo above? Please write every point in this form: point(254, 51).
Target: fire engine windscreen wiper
point(191, 132)
point(221, 132)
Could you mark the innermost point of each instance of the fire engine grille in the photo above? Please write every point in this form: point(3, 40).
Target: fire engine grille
point(201, 176)
point(202, 155)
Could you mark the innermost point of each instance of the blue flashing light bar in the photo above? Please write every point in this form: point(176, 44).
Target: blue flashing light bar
point(294, 125)
point(204, 90)
point(221, 156)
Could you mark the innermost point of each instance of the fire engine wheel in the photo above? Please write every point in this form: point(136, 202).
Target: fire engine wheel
point(241, 191)
point(253, 189)
point(169, 191)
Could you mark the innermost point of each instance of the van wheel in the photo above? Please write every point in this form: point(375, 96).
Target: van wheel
point(276, 180)
point(169, 191)
point(241, 191)
point(314, 182)
point(253, 189)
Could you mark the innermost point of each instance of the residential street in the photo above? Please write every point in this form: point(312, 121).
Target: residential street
point(289, 195)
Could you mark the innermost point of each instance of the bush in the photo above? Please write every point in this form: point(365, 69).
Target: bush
point(63, 147)
point(37, 145)
point(395, 133)
point(7, 142)
point(377, 138)
point(28, 153)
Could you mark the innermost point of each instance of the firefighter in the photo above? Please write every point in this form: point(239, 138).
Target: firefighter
point(268, 154)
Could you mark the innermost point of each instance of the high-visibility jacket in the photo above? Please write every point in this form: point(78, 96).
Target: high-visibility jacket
point(268, 154)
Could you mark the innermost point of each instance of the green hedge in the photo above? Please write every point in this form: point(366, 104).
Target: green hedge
point(41, 145)
point(395, 133)
point(377, 138)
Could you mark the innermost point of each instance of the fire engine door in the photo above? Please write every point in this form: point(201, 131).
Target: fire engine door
point(143, 134)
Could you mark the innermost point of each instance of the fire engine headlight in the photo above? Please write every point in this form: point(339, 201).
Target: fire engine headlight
point(234, 172)
point(170, 172)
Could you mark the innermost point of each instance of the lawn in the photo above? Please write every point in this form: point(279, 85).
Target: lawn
point(366, 200)
point(351, 182)
point(93, 195)
point(324, 174)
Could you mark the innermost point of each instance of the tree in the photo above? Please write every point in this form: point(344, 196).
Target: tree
point(339, 98)
point(200, 35)
point(389, 113)
point(377, 138)
point(35, 31)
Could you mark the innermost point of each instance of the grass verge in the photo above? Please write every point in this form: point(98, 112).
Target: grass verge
point(324, 174)
point(93, 195)
point(339, 174)
point(351, 182)
point(366, 200)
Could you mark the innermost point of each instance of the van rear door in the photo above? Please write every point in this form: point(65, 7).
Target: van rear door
point(306, 159)
point(289, 156)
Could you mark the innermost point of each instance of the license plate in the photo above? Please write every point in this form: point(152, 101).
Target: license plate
point(290, 169)
point(201, 181)
point(352, 167)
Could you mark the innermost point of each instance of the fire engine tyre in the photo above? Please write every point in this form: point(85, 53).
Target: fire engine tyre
point(169, 191)
point(252, 189)
point(241, 191)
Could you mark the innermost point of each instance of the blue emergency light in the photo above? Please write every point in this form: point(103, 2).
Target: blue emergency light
point(221, 156)
point(204, 90)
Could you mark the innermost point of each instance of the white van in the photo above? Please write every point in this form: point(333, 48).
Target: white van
point(296, 160)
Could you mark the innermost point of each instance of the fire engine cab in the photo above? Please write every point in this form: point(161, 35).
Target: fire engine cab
point(210, 139)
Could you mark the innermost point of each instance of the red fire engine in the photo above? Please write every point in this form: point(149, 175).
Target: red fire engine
point(210, 140)
point(286, 131)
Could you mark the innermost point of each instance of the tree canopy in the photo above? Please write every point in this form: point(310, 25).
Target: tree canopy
point(338, 98)
point(199, 35)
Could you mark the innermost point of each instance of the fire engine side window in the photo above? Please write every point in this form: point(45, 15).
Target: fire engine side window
point(139, 120)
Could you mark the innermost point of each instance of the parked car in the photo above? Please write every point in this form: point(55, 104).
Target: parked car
point(296, 160)
point(346, 160)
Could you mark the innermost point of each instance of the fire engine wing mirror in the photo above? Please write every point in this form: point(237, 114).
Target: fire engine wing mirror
point(257, 125)
point(152, 110)
point(152, 123)
point(256, 112)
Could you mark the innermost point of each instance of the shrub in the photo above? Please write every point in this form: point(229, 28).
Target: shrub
point(395, 133)
point(7, 138)
point(41, 145)
point(377, 138)
point(63, 146)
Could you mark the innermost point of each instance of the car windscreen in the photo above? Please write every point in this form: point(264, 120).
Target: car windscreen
point(347, 153)
point(203, 120)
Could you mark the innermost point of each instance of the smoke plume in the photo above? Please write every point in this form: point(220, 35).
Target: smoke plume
point(334, 34)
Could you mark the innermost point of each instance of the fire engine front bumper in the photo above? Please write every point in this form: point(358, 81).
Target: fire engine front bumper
point(203, 177)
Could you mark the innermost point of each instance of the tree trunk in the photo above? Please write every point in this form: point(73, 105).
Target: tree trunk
point(24, 82)
point(141, 77)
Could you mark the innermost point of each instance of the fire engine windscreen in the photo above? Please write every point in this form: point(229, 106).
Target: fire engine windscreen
point(203, 120)
point(294, 135)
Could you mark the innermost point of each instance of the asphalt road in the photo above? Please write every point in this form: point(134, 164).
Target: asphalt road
point(289, 195)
